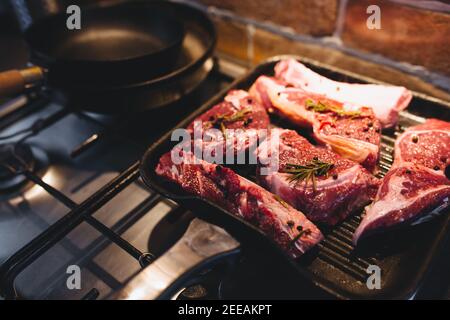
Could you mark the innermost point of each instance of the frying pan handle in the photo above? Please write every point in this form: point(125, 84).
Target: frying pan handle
point(13, 82)
point(202, 242)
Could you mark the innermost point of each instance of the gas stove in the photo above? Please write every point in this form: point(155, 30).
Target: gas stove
point(71, 196)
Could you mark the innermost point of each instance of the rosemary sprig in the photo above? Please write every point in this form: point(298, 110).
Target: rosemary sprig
point(283, 203)
point(310, 171)
point(324, 107)
point(222, 120)
point(237, 116)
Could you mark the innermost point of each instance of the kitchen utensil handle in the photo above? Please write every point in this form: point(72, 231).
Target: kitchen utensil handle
point(13, 82)
point(202, 242)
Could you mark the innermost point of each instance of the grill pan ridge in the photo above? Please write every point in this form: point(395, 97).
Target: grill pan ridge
point(404, 255)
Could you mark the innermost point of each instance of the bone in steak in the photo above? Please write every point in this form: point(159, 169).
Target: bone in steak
point(239, 112)
point(386, 101)
point(353, 132)
point(416, 187)
point(289, 228)
point(346, 187)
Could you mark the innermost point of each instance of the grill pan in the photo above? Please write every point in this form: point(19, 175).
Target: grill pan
point(404, 255)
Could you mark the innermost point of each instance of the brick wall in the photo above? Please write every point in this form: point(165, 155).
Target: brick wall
point(414, 37)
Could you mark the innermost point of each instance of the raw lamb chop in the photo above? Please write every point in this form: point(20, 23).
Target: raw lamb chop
point(326, 197)
point(416, 187)
point(289, 228)
point(386, 101)
point(353, 131)
point(239, 112)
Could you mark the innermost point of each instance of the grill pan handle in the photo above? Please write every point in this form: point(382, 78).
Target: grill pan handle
point(201, 244)
point(13, 82)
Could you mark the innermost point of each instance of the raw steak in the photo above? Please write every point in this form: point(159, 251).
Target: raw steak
point(416, 187)
point(386, 101)
point(344, 189)
point(239, 112)
point(289, 228)
point(352, 132)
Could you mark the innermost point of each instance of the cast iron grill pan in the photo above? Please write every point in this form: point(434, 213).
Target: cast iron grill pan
point(404, 255)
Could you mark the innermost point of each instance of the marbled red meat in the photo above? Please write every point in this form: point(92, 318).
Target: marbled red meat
point(426, 144)
point(351, 131)
point(241, 133)
point(386, 101)
point(416, 188)
point(346, 188)
point(289, 228)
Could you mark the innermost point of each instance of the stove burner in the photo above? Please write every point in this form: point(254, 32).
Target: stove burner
point(14, 158)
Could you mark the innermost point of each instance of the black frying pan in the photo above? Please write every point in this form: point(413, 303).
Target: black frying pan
point(115, 44)
point(120, 52)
